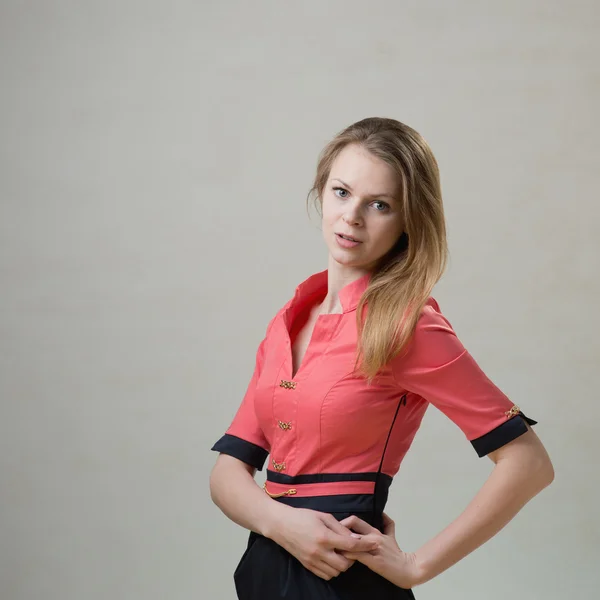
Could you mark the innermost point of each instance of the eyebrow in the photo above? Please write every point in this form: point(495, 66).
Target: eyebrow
point(369, 195)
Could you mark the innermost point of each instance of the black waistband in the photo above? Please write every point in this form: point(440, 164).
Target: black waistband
point(341, 506)
point(327, 478)
point(368, 507)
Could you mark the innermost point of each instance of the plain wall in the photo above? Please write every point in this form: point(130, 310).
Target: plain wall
point(155, 161)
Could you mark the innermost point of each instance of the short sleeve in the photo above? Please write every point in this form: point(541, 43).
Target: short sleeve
point(244, 439)
point(436, 366)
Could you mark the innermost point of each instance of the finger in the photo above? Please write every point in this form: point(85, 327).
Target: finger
point(320, 568)
point(363, 557)
point(332, 523)
point(325, 568)
point(358, 525)
point(320, 573)
point(389, 526)
point(372, 543)
point(351, 544)
point(373, 539)
point(338, 561)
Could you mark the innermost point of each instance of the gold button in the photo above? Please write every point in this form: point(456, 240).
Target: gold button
point(515, 410)
point(290, 385)
point(285, 426)
point(278, 466)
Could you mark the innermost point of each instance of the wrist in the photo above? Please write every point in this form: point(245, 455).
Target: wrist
point(419, 570)
point(273, 519)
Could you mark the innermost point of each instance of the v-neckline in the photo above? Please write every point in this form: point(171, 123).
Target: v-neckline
point(301, 370)
point(314, 291)
point(306, 350)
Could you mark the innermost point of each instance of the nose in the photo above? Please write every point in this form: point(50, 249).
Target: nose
point(352, 215)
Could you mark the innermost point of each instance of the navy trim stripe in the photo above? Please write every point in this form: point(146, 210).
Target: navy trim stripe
point(322, 477)
point(501, 435)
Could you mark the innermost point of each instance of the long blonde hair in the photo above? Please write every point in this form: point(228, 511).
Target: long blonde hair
point(403, 281)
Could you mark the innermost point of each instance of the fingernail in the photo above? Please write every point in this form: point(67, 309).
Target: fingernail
point(355, 535)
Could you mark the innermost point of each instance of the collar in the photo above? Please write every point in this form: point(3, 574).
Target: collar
point(316, 286)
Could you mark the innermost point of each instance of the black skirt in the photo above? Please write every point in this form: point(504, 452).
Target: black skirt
point(267, 571)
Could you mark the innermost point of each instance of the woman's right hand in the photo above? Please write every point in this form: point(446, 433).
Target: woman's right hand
point(313, 537)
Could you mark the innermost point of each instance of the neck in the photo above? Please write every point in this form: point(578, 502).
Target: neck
point(338, 277)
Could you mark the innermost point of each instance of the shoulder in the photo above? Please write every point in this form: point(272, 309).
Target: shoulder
point(432, 318)
point(433, 341)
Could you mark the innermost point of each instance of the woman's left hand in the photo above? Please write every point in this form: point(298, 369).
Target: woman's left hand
point(387, 559)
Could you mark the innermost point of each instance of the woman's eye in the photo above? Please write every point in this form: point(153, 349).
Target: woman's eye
point(383, 205)
point(335, 189)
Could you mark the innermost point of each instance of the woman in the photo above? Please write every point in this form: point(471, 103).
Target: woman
point(342, 380)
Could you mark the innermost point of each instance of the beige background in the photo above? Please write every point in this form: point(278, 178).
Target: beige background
point(155, 158)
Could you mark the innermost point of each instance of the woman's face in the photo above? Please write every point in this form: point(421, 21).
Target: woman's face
point(361, 200)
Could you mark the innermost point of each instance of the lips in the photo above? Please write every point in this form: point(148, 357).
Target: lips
point(348, 237)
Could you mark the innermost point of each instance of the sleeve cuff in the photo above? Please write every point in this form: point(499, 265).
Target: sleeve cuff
point(501, 435)
point(243, 450)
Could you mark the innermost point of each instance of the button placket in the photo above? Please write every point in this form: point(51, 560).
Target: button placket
point(285, 426)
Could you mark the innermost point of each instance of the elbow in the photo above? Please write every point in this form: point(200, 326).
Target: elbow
point(529, 464)
point(544, 469)
point(226, 470)
point(213, 483)
point(540, 472)
point(546, 472)
point(529, 456)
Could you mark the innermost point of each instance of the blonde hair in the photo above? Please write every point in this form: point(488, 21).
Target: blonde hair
point(402, 282)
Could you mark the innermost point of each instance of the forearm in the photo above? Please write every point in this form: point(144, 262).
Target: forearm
point(509, 487)
point(234, 490)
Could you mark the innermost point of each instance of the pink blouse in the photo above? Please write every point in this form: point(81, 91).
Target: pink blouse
point(327, 432)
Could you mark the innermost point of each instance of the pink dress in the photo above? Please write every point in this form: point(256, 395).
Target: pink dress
point(334, 442)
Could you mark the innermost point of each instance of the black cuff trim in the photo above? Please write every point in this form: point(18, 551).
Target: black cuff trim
point(501, 435)
point(243, 450)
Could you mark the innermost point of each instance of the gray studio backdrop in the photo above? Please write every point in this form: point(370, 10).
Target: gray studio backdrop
point(155, 159)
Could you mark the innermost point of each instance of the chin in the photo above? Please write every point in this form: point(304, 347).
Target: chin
point(345, 259)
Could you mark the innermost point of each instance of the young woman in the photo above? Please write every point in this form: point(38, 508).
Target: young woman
point(342, 380)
